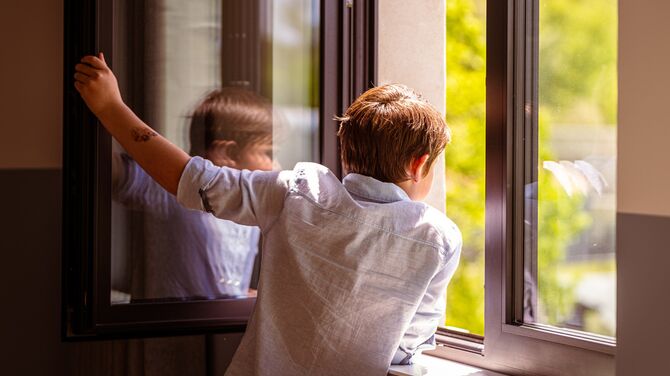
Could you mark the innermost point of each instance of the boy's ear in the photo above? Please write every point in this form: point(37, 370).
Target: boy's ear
point(223, 153)
point(418, 167)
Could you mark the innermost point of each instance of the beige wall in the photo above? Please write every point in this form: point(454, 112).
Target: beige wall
point(644, 100)
point(31, 66)
point(411, 51)
point(643, 227)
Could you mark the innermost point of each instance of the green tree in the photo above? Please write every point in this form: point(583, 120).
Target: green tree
point(466, 159)
point(578, 48)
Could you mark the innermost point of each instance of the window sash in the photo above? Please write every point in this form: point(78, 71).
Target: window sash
point(510, 346)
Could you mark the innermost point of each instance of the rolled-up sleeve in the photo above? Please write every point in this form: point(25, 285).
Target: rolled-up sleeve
point(253, 198)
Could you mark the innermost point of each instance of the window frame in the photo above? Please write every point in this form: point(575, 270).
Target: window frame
point(510, 345)
point(347, 44)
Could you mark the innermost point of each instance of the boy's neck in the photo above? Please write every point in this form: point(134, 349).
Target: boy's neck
point(410, 188)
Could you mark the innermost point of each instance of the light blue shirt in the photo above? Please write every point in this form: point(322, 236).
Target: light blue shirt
point(353, 275)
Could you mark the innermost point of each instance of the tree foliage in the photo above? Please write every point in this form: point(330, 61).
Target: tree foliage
point(466, 159)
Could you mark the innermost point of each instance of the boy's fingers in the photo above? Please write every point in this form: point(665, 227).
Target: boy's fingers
point(101, 56)
point(85, 69)
point(94, 62)
point(78, 85)
point(81, 77)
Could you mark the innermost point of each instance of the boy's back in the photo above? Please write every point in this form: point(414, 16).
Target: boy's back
point(348, 268)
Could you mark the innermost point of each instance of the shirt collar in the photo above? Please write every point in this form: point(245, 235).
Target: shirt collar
point(372, 189)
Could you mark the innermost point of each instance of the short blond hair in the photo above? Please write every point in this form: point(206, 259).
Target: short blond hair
point(385, 128)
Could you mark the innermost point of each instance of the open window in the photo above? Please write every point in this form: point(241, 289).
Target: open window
point(549, 127)
point(133, 262)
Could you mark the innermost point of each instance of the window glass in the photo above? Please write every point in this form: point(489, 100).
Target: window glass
point(225, 80)
point(466, 158)
point(570, 204)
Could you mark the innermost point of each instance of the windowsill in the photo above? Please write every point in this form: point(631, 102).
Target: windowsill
point(426, 365)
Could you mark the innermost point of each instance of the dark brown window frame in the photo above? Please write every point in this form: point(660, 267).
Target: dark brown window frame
point(510, 345)
point(348, 67)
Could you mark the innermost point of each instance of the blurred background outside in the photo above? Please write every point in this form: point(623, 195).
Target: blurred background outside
point(575, 192)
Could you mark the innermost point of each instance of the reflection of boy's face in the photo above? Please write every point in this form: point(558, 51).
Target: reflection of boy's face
point(255, 157)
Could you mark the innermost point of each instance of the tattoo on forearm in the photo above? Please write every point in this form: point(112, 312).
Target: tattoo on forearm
point(143, 135)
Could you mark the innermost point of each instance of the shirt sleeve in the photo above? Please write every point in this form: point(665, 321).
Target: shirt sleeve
point(420, 334)
point(252, 198)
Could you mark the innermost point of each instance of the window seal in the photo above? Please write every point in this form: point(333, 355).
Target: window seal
point(461, 341)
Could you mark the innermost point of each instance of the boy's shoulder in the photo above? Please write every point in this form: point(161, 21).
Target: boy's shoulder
point(310, 170)
point(413, 220)
point(312, 180)
point(443, 229)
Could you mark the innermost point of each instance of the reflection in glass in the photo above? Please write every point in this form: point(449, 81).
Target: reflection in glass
point(228, 80)
point(570, 204)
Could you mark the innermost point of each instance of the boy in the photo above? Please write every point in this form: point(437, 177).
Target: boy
point(187, 254)
point(355, 272)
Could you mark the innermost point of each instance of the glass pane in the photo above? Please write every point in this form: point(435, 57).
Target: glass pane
point(225, 80)
point(570, 206)
point(466, 158)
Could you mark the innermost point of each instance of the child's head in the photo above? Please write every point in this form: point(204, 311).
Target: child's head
point(387, 130)
point(233, 127)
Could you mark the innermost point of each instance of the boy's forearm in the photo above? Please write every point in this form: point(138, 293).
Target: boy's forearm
point(98, 87)
point(161, 159)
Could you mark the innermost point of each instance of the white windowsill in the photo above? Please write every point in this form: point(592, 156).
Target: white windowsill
point(426, 365)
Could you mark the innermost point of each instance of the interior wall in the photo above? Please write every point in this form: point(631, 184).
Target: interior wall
point(30, 160)
point(644, 125)
point(643, 220)
point(31, 75)
point(411, 51)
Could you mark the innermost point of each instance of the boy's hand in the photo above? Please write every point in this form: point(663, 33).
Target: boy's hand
point(96, 84)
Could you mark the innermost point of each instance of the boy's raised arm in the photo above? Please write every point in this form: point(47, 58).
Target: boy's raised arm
point(161, 159)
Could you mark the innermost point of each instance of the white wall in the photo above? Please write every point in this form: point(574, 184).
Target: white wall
point(411, 51)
